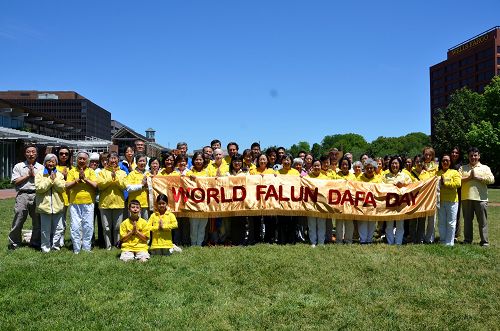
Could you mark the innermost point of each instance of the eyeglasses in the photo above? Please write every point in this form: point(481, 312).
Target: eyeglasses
point(63, 153)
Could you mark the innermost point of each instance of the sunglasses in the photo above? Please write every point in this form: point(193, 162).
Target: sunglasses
point(63, 153)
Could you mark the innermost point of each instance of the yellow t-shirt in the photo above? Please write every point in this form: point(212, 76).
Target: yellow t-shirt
point(163, 172)
point(135, 178)
point(267, 171)
point(320, 176)
point(212, 169)
point(111, 190)
point(81, 193)
point(448, 189)
point(134, 243)
point(162, 238)
point(203, 173)
point(291, 172)
point(423, 175)
point(349, 176)
point(374, 179)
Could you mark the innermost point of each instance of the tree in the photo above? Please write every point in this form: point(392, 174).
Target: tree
point(316, 150)
point(453, 122)
point(348, 142)
point(300, 146)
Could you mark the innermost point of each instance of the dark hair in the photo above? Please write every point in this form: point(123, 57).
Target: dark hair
point(139, 155)
point(165, 156)
point(302, 151)
point(134, 202)
point(246, 152)
point(30, 146)
point(440, 167)
point(324, 158)
point(68, 161)
point(180, 158)
point(473, 149)
point(233, 143)
point(236, 157)
point(345, 159)
point(255, 144)
point(152, 159)
point(395, 157)
point(420, 156)
point(161, 197)
point(195, 155)
point(127, 147)
point(215, 141)
point(361, 156)
point(267, 159)
point(281, 147)
point(287, 156)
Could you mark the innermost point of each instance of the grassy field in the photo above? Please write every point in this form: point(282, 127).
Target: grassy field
point(258, 287)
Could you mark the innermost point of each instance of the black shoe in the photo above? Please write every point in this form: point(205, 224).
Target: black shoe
point(484, 244)
point(12, 247)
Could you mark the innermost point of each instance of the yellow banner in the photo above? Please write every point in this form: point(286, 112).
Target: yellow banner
point(255, 195)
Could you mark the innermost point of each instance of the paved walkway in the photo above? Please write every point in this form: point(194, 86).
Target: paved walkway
point(7, 194)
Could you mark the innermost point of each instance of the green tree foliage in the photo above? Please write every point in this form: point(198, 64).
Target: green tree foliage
point(472, 119)
point(349, 142)
point(300, 146)
point(409, 145)
point(453, 123)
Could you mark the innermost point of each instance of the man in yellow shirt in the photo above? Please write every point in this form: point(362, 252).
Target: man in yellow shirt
point(82, 185)
point(475, 178)
point(134, 235)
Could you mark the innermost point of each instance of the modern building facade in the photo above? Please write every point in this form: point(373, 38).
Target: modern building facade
point(472, 63)
point(88, 120)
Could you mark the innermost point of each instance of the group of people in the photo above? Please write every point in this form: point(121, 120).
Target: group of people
point(116, 194)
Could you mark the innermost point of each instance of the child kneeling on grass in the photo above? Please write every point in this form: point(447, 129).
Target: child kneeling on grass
point(161, 224)
point(134, 235)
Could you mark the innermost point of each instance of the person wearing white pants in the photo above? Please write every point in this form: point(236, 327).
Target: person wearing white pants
point(197, 230)
point(450, 180)
point(82, 185)
point(398, 178)
point(82, 226)
point(317, 230)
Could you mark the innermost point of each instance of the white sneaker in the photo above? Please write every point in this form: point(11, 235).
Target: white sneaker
point(313, 245)
point(176, 249)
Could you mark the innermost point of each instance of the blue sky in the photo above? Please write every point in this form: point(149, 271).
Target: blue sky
point(277, 72)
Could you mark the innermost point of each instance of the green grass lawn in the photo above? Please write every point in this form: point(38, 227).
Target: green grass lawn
point(258, 287)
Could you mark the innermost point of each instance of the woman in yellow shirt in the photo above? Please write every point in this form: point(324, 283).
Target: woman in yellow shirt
point(168, 166)
point(138, 185)
point(357, 166)
point(248, 160)
point(197, 226)
point(161, 223)
point(111, 184)
point(316, 225)
point(344, 228)
point(82, 185)
point(49, 185)
point(268, 221)
point(64, 165)
point(450, 180)
point(287, 225)
point(367, 228)
point(399, 179)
